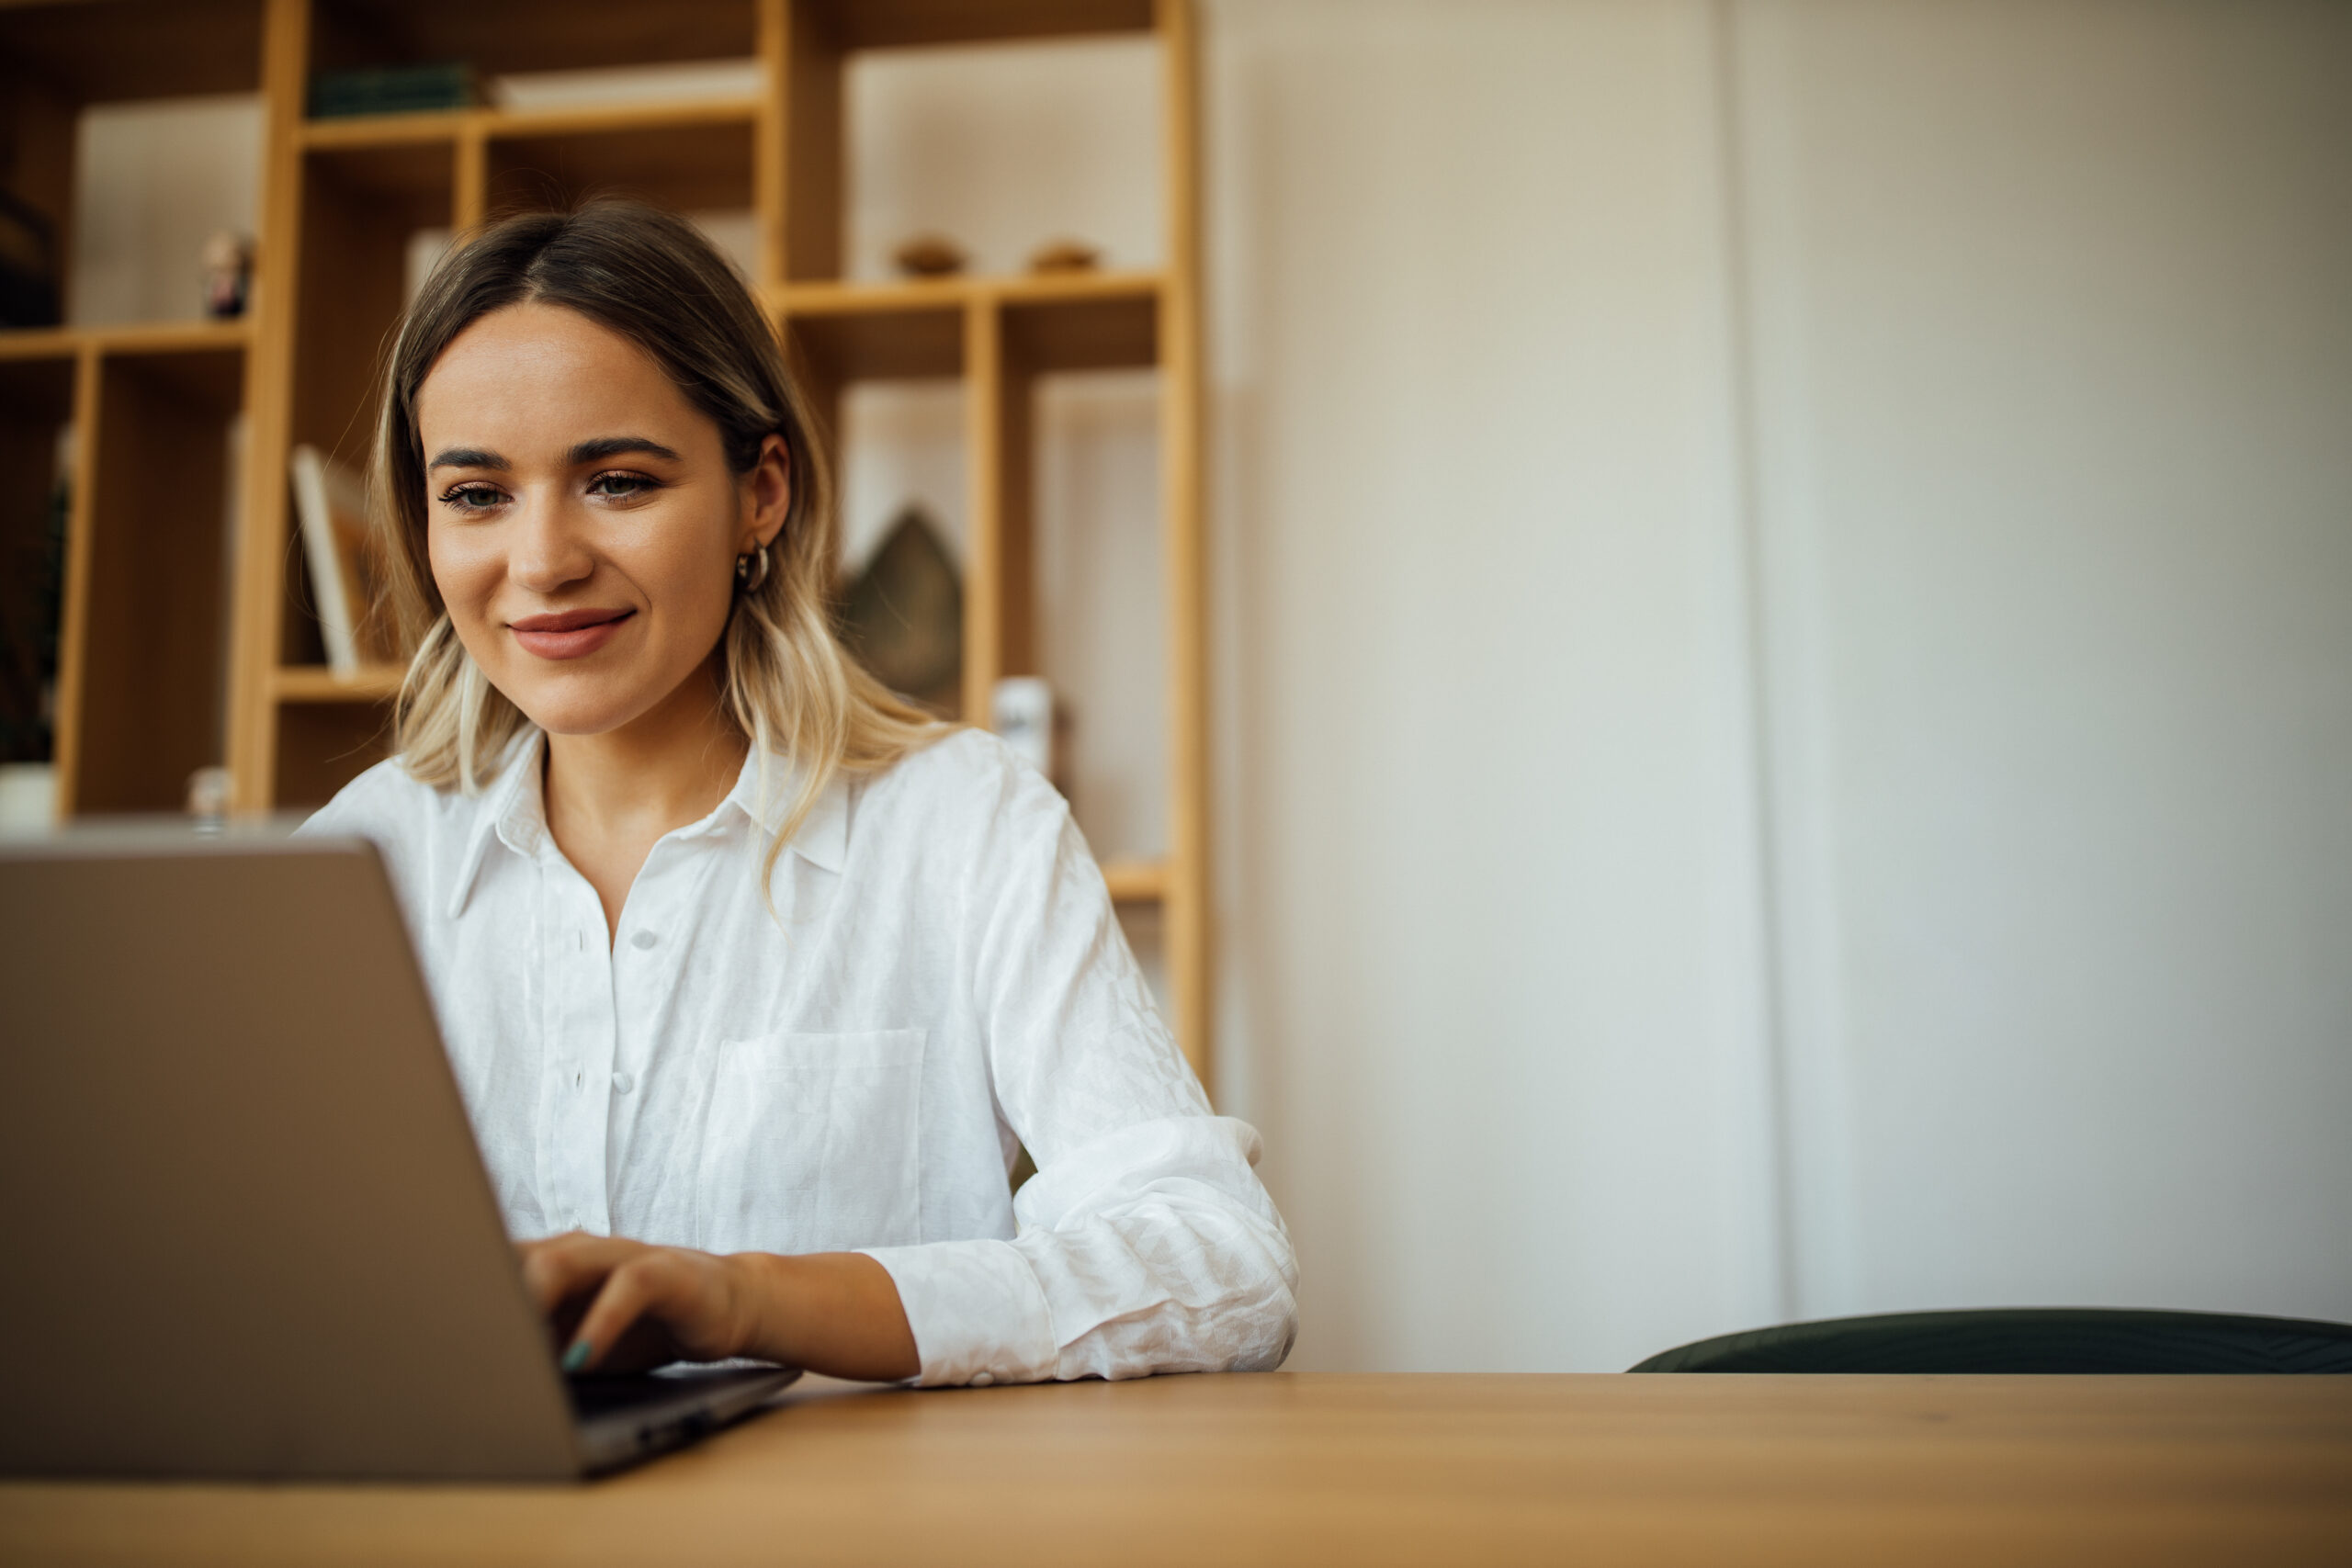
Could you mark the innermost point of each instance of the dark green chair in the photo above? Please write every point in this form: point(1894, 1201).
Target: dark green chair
point(2024, 1339)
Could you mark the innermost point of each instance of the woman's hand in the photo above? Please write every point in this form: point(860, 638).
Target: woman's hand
point(623, 1306)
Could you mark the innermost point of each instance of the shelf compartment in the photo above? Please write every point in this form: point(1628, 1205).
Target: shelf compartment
point(323, 745)
point(1105, 331)
point(896, 339)
point(812, 57)
point(690, 158)
point(406, 182)
point(36, 402)
point(529, 35)
point(318, 683)
point(360, 205)
point(1085, 522)
point(38, 390)
point(899, 24)
point(124, 50)
point(141, 690)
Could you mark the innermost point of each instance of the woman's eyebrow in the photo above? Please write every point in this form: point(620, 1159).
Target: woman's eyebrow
point(614, 446)
point(466, 457)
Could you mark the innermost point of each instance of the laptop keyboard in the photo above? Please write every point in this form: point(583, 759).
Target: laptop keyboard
point(594, 1395)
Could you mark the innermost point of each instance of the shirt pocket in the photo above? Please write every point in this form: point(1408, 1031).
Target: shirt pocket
point(811, 1143)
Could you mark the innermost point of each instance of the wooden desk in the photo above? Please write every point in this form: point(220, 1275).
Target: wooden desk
point(1302, 1468)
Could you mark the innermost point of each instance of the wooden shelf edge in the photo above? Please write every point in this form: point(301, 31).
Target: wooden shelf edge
point(1135, 881)
point(41, 342)
point(919, 294)
point(498, 125)
point(131, 337)
point(1053, 287)
point(856, 25)
point(317, 684)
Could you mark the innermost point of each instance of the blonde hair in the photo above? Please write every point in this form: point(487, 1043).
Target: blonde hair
point(654, 279)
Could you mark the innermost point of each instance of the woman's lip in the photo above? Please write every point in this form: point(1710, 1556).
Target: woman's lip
point(567, 620)
point(573, 642)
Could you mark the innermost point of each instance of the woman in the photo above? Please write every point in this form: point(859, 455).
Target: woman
point(754, 980)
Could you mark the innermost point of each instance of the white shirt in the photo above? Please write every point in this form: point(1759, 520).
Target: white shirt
point(941, 982)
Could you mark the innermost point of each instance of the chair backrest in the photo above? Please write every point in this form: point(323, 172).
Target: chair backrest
point(2024, 1339)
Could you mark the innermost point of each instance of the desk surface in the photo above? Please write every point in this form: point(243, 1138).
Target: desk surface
point(1291, 1467)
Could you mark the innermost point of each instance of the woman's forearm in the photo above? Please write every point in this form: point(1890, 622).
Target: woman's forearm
point(835, 1312)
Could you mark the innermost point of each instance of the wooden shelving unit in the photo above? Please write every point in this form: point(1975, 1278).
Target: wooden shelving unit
point(153, 685)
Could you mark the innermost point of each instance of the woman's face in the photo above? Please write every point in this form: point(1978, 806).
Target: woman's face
point(581, 519)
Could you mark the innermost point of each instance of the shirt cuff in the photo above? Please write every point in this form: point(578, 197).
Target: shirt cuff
point(979, 1314)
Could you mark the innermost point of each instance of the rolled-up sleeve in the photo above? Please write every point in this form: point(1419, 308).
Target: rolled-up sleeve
point(1146, 1241)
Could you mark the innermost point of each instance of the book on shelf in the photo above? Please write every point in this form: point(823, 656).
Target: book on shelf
point(394, 89)
point(332, 506)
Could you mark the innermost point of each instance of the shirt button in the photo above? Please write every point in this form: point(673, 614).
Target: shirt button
point(982, 1379)
point(578, 1079)
point(623, 1083)
point(643, 940)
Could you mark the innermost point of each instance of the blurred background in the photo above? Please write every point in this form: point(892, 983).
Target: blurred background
point(1778, 617)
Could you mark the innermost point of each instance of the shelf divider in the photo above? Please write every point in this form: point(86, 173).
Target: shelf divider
point(1181, 460)
point(258, 628)
point(811, 172)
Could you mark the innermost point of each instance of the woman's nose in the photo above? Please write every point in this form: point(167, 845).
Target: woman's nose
point(548, 551)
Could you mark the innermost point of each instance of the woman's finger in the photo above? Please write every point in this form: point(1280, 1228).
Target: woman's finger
point(630, 1292)
point(562, 1266)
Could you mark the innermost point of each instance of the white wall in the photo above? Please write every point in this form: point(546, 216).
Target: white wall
point(1005, 147)
point(1487, 860)
point(2053, 378)
point(2035, 450)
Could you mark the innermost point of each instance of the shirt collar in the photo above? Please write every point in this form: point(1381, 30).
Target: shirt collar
point(823, 838)
point(513, 813)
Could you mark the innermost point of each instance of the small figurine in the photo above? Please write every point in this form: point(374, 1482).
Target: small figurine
point(1064, 255)
point(207, 796)
point(904, 615)
point(1023, 715)
point(228, 272)
point(929, 255)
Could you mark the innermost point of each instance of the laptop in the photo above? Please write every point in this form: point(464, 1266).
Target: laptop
point(249, 1230)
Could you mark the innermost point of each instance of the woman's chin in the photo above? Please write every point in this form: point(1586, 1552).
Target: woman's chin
point(600, 695)
point(568, 712)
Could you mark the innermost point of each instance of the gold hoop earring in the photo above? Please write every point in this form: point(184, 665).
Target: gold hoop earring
point(751, 571)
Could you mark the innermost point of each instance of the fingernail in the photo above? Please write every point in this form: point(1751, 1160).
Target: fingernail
point(577, 1357)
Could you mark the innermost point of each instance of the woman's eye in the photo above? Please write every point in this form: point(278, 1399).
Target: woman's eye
point(471, 498)
point(620, 486)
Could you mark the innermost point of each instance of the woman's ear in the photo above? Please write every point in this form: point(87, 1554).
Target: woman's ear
point(767, 496)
